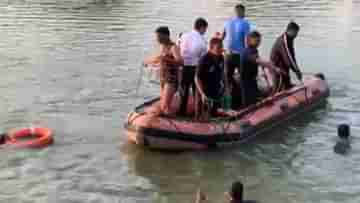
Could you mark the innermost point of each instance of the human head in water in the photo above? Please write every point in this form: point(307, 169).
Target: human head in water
point(201, 25)
point(3, 138)
point(163, 34)
point(292, 30)
point(343, 145)
point(254, 39)
point(344, 131)
point(240, 10)
point(235, 195)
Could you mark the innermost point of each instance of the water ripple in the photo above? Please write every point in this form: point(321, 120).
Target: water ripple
point(72, 65)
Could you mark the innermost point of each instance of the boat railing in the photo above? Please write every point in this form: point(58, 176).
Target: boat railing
point(270, 100)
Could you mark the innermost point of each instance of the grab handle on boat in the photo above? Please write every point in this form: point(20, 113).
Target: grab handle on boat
point(284, 106)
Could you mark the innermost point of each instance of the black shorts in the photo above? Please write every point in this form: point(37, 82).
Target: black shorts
point(169, 76)
point(250, 92)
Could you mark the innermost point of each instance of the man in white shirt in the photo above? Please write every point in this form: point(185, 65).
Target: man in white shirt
point(193, 46)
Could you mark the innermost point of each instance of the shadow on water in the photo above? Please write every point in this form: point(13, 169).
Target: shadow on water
point(178, 175)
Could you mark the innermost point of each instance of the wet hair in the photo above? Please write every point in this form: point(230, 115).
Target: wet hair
point(215, 41)
point(254, 34)
point(293, 26)
point(200, 23)
point(240, 10)
point(240, 7)
point(164, 30)
point(237, 190)
point(344, 131)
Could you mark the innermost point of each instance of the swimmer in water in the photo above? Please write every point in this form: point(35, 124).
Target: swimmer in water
point(3, 138)
point(170, 60)
point(343, 145)
point(235, 195)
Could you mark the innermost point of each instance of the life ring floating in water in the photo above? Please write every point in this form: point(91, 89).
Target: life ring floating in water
point(29, 138)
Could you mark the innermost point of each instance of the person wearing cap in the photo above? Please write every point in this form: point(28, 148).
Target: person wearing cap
point(193, 46)
point(170, 60)
point(235, 195)
point(283, 56)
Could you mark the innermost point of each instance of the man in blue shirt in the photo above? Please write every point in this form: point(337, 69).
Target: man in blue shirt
point(234, 35)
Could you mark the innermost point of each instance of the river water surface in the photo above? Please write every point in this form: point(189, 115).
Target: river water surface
point(73, 65)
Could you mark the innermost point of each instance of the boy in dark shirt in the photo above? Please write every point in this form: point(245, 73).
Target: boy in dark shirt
point(249, 72)
point(209, 80)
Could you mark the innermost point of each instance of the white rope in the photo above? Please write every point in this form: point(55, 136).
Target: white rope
point(289, 55)
point(139, 81)
point(32, 130)
point(292, 60)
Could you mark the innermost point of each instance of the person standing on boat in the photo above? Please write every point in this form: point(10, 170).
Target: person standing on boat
point(193, 46)
point(283, 56)
point(250, 61)
point(234, 36)
point(209, 80)
point(170, 60)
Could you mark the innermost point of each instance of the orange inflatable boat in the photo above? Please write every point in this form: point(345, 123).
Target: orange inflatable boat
point(147, 129)
point(28, 138)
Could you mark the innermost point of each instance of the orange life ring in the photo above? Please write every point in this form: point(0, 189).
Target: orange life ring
point(22, 138)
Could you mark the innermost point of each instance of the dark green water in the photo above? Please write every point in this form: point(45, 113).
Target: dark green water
point(72, 65)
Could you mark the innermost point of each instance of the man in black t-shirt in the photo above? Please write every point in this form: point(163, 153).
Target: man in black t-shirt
point(249, 72)
point(209, 80)
point(249, 87)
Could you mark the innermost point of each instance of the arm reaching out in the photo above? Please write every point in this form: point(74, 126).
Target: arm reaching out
point(199, 87)
point(152, 60)
point(198, 83)
point(175, 50)
point(269, 65)
point(223, 35)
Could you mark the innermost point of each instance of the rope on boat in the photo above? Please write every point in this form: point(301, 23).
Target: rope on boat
point(174, 125)
point(289, 55)
point(139, 81)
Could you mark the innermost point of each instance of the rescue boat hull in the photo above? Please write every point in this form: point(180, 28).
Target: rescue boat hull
point(145, 128)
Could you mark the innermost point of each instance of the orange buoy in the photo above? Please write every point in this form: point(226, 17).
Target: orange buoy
point(30, 138)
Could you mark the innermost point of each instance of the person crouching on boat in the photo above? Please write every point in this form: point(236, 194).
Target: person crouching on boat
point(209, 80)
point(283, 56)
point(193, 46)
point(170, 60)
point(250, 93)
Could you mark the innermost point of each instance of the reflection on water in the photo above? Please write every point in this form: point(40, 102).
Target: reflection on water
point(72, 65)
